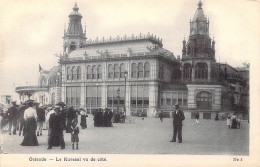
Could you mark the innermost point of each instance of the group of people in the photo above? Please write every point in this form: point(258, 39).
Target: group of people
point(103, 118)
point(30, 119)
point(233, 121)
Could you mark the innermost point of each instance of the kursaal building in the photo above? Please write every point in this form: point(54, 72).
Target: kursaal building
point(138, 75)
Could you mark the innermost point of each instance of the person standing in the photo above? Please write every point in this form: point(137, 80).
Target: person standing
point(75, 134)
point(161, 116)
point(178, 117)
point(229, 121)
point(83, 120)
point(30, 117)
point(197, 118)
point(12, 118)
point(56, 129)
point(70, 116)
point(21, 119)
point(234, 121)
point(41, 118)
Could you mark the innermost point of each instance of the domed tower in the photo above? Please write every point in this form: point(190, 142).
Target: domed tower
point(198, 54)
point(74, 37)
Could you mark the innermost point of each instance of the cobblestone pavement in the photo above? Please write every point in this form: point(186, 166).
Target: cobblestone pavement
point(148, 136)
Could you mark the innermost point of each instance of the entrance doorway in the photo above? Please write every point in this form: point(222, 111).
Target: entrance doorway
point(204, 101)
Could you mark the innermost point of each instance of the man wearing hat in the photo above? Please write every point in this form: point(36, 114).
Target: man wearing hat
point(56, 129)
point(41, 118)
point(12, 117)
point(21, 118)
point(178, 117)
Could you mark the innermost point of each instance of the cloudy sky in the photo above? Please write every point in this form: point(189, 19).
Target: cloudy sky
point(31, 30)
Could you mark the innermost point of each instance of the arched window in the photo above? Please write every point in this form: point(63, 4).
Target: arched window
point(69, 73)
point(201, 71)
point(53, 98)
point(74, 73)
point(99, 72)
point(122, 70)
point(204, 100)
point(117, 71)
point(140, 70)
point(79, 72)
point(43, 81)
point(134, 70)
point(147, 70)
point(89, 72)
point(94, 72)
point(187, 71)
point(110, 71)
point(72, 46)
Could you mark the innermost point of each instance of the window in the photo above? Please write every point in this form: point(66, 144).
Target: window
point(79, 72)
point(73, 96)
point(187, 72)
point(140, 70)
point(110, 71)
point(53, 98)
point(201, 71)
point(93, 96)
point(94, 72)
point(113, 98)
point(134, 70)
point(99, 72)
point(140, 96)
point(69, 73)
point(147, 70)
point(72, 46)
point(168, 98)
point(89, 72)
point(122, 71)
point(117, 71)
point(74, 73)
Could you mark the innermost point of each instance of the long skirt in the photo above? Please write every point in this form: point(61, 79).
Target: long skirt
point(234, 124)
point(83, 122)
point(30, 138)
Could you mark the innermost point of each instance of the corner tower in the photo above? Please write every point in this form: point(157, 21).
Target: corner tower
point(74, 37)
point(198, 54)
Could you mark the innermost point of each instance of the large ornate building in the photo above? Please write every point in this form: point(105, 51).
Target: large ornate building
point(138, 75)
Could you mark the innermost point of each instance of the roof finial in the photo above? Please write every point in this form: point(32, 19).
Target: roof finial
point(75, 8)
point(200, 4)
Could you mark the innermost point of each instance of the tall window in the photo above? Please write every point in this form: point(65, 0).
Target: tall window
point(53, 98)
point(93, 96)
point(89, 72)
point(122, 70)
point(113, 98)
point(147, 70)
point(140, 70)
point(110, 71)
point(201, 71)
point(99, 72)
point(94, 72)
point(73, 96)
point(140, 96)
point(134, 70)
point(69, 73)
point(187, 71)
point(79, 72)
point(72, 46)
point(74, 73)
point(117, 71)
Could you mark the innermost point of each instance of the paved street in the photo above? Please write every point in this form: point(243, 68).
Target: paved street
point(148, 136)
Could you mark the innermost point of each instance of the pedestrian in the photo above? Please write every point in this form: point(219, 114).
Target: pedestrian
point(48, 114)
point(30, 117)
point(197, 118)
point(239, 118)
point(12, 113)
point(110, 116)
point(41, 118)
point(56, 129)
point(75, 134)
point(1, 118)
point(233, 121)
point(161, 116)
point(21, 120)
point(178, 117)
point(70, 116)
point(83, 118)
point(229, 121)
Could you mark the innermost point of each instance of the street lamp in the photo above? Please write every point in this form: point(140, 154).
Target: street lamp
point(125, 93)
point(118, 92)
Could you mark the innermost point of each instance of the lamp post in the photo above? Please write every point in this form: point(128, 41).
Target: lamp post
point(125, 93)
point(118, 92)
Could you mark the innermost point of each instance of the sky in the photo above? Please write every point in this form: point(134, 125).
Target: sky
point(31, 31)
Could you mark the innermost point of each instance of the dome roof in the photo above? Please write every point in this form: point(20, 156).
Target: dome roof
point(199, 15)
point(75, 11)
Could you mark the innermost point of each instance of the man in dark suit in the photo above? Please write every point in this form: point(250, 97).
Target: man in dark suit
point(178, 117)
point(56, 129)
point(21, 118)
point(12, 117)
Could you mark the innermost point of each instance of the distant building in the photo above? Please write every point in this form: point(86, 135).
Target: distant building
point(137, 74)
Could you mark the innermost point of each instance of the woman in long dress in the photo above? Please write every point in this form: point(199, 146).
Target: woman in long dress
point(234, 121)
point(30, 117)
point(83, 120)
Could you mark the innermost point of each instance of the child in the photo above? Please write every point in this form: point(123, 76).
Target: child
point(75, 134)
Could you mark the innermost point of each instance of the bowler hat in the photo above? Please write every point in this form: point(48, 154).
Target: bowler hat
point(177, 104)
